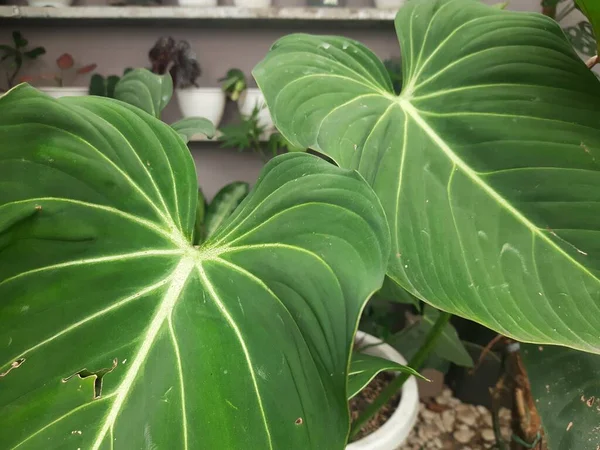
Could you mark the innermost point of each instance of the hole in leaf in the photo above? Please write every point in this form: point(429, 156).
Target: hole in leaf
point(299, 421)
point(98, 375)
point(14, 365)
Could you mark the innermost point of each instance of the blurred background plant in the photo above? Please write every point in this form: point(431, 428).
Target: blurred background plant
point(14, 55)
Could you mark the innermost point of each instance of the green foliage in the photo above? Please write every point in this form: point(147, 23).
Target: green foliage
point(566, 385)
point(591, 9)
point(278, 142)
point(145, 90)
point(234, 83)
point(245, 135)
point(364, 367)
point(120, 333)
point(192, 126)
point(394, 69)
point(223, 205)
point(14, 55)
point(105, 86)
point(486, 164)
point(447, 348)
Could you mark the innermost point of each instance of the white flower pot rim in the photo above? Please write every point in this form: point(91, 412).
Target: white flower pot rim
point(64, 88)
point(201, 89)
point(207, 102)
point(394, 432)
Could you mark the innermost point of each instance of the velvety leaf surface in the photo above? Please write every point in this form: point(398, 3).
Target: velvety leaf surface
point(487, 163)
point(146, 90)
point(191, 126)
point(116, 332)
point(566, 386)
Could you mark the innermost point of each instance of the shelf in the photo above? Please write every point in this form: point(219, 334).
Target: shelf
point(229, 14)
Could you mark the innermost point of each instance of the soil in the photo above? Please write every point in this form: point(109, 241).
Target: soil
point(359, 403)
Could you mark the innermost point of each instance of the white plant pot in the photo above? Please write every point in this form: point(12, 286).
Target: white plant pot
point(252, 3)
point(395, 431)
point(54, 3)
point(71, 91)
point(202, 102)
point(198, 2)
point(389, 4)
point(252, 97)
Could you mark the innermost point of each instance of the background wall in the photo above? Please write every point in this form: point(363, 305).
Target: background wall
point(218, 46)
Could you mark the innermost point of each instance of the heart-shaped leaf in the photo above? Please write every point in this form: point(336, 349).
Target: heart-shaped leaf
point(566, 386)
point(116, 332)
point(487, 163)
point(191, 126)
point(146, 90)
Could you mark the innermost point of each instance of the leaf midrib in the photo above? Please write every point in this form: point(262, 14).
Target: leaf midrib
point(411, 111)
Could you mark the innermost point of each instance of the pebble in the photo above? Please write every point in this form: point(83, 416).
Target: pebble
point(488, 435)
point(458, 426)
point(463, 436)
point(467, 417)
point(448, 419)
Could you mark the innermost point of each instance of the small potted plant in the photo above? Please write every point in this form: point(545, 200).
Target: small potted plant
point(393, 433)
point(248, 99)
point(64, 78)
point(178, 59)
point(15, 54)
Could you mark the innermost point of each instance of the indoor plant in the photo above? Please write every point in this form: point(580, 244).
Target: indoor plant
point(395, 431)
point(486, 172)
point(234, 84)
point(126, 186)
point(66, 75)
point(14, 55)
point(474, 162)
point(178, 59)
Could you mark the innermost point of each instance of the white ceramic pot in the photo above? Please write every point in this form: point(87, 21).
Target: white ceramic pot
point(54, 3)
point(395, 431)
point(389, 4)
point(202, 102)
point(70, 91)
point(252, 97)
point(252, 3)
point(198, 2)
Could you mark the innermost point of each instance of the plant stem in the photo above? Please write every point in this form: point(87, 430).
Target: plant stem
point(416, 363)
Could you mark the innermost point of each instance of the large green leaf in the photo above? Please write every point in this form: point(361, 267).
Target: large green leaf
point(486, 163)
point(146, 90)
point(363, 368)
point(566, 386)
point(116, 332)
